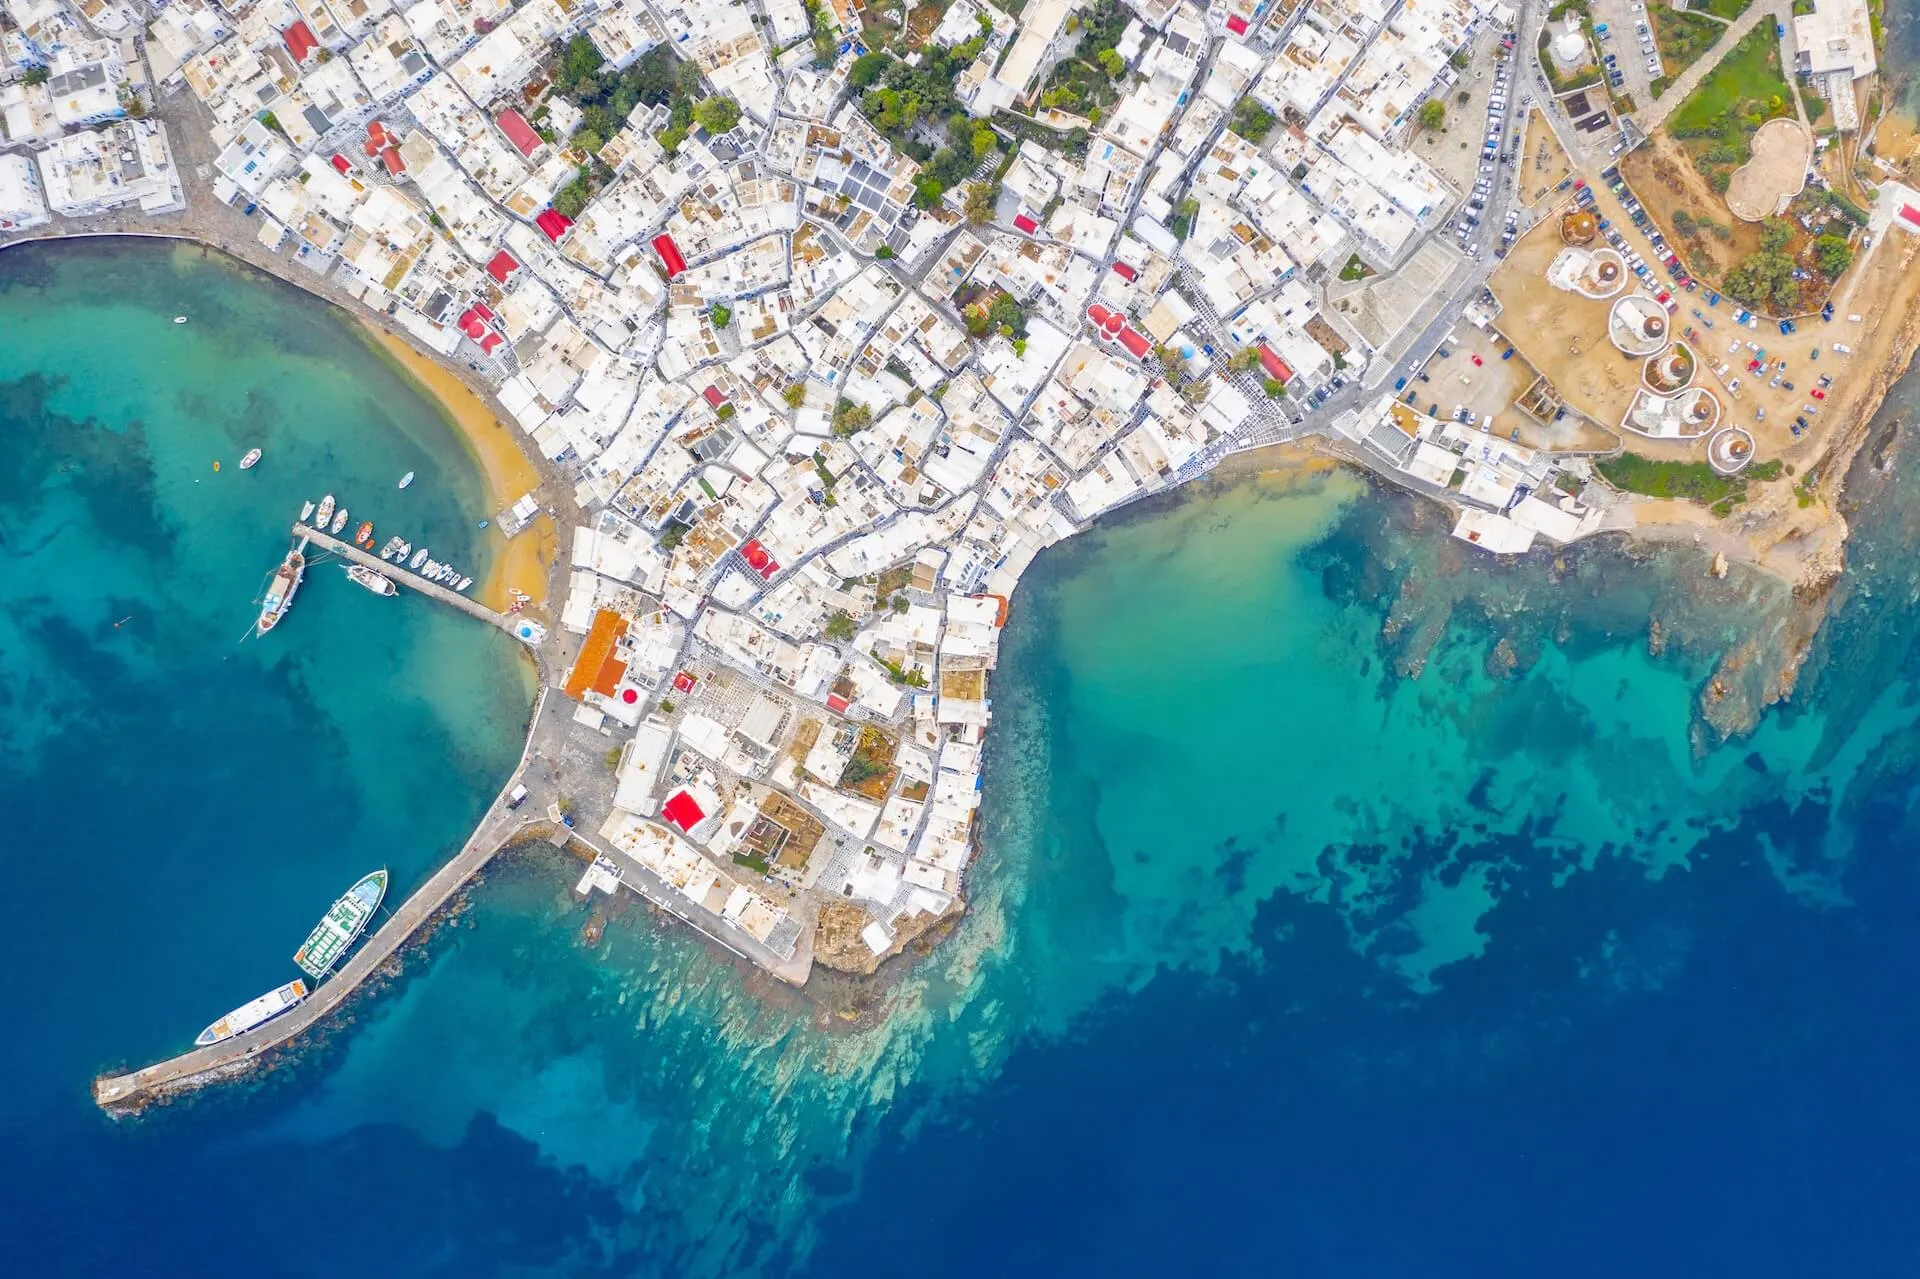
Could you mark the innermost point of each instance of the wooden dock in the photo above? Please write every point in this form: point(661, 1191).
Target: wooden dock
point(500, 827)
point(402, 576)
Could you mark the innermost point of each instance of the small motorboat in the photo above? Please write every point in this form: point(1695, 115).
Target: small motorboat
point(405, 480)
point(179, 319)
point(433, 568)
point(401, 549)
point(339, 521)
point(325, 513)
point(378, 583)
point(419, 558)
point(482, 524)
point(363, 535)
point(463, 584)
point(306, 511)
point(251, 460)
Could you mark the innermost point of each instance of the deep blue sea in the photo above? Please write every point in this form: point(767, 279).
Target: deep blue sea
point(1350, 903)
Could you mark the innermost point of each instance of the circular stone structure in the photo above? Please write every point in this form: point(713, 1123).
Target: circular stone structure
point(1637, 325)
point(1592, 273)
point(1579, 227)
point(1730, 451)
point(1767, 183)
point(1671, 371)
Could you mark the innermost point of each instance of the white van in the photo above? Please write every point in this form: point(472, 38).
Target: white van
point(1843, 348)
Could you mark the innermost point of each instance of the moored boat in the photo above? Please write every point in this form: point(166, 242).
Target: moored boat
point(378, 583)
point(364, 534)
point(324, 514)
point(339, 521)
point(255, 1012)
point(405, 480)
point(401, 549)
point(419, 558)
point(341, 926)
point(279, 596)
point(463, 584)
point(306, 511)
point(252, 458)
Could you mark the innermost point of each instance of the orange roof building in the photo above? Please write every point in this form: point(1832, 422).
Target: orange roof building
point(598, 668)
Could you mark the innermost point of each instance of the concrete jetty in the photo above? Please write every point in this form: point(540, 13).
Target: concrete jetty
point(402, 575)
point(500, 826)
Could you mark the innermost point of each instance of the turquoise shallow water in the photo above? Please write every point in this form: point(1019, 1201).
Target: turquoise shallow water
point(1349, 904)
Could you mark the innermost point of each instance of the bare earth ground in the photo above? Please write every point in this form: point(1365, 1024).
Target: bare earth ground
point(1663, 176)
point(1543, 162)
point(1563, 334)
point(1777, 172)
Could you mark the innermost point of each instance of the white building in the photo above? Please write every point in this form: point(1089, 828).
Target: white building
point(22, 203)
point(129, 163)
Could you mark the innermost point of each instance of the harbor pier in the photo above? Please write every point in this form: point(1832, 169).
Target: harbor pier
point(501, 826)
point(401, 575)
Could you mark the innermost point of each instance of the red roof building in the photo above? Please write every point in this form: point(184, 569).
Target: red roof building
point(518, 131)
point(502, 266)
point(837, 704)
point(299, 41)
point(1135, 342)
point(489, 342)
point(598, 668)
point(1275, 366)
point(669, 255)
point(1910, 213)
point(1125, 272)
point(1237, 25)
point(682, 810)
point(341, 163)
point(712, 396)
point(684, 681)
point(390, 156)
point(1025, 225)
point(553, 224)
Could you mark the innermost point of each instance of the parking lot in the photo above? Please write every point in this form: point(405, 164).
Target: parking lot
point(1628, 40)
point(1481, 376)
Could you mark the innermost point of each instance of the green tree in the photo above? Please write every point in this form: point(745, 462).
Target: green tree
point(1183, 215)
point(34, 75)
point(720, 315)
point(795, 395)
point(717, 114)
point(1111, 62)
point(1252, 121)
point(1433, 114)
point(867, 70)
point(581, 61)
point(980, 202)
point(1833, 253)
point(1775, 233)
point(840, 627)
point(571, 198)
point(587, 140)
point(850, 418)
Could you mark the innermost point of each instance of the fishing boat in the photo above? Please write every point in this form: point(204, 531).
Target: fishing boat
point(279, 596)
point(378, 583)
point(387, 548)
point(363, 535)
point(255, 1012)
point(339, 521)
point(405, 480)
point(419, 558)
point(341, 926)
point(306, 511)
point(251, 460)
point(325, 513)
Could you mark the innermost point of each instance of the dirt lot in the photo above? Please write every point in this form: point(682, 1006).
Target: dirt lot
point(1775, 174)
point(1543, 161)
point(1663, 176)
point(1562, 334)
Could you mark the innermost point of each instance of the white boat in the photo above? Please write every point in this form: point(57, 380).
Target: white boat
point(378, 583)
point(419, 558)
point(251, 460)
point(179, 319)
point(433, 568)
point(286, 580)
point(325, 513)
point(306, 511)
point(255, 1012)
point(402, 549)
point(339, 521)
point(405, 480)
point(463, 584)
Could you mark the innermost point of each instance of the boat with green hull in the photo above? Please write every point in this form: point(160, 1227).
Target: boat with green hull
point(341, 926)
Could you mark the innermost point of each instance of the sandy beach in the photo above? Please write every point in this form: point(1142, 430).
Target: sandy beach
point(519, 563)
